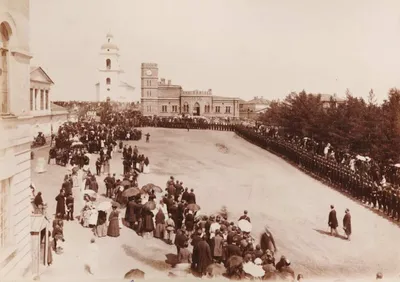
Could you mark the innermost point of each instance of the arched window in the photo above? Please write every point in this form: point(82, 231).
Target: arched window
point(108, 81)
point(5, 33)
point(108, 64)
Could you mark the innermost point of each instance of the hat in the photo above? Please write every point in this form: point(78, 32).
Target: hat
point(245, 212)
point(258, 261)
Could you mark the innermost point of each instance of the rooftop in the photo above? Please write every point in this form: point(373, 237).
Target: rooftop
point(259, 101)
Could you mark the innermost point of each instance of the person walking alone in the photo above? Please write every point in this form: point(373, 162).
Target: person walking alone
point(332, 221)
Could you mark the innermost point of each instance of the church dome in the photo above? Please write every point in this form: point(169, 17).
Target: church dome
point(109, 46)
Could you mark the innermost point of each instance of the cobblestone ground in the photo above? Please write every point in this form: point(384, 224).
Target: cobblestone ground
point(226, 170)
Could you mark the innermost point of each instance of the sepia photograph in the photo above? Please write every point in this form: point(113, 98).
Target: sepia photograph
point(155, 140)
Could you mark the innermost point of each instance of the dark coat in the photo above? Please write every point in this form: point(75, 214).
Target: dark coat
point(130, 211)
point(332, 219)
point(233, 250)
point(267, 242)
point(191, 198)
point(148, 223)
point(347, 223)
point(189, 222)
point(60, 208)
point(180, 239)
point(204, 256)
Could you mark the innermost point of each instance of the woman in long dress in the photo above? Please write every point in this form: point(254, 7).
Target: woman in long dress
point(106, 166)
point(160, 224)
point(101, 226)
point(148, 222)
point(113, 226)
point(146, 168)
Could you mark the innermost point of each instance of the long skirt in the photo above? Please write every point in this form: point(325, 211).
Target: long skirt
point(101, 230)
point(75, 180)
point(146, 169)
point(159, 231)
point(113, 228)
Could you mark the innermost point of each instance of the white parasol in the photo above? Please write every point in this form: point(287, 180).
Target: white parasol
point(254, 270)
point(90, 193)
point(244, 225)
point(104, 206)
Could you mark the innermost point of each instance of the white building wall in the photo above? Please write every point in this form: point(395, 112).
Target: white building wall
point(15, 142)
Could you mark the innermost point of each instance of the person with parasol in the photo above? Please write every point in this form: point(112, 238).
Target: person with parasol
point(148, 222)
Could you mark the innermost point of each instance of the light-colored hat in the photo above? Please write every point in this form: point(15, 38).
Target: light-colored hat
point(258, 261)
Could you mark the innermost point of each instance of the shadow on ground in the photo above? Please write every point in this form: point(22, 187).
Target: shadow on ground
point(156, 264)
point(326, 233)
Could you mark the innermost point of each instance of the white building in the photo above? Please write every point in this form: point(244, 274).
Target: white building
point(47, 117)
point(15, 138)
point(110, 84)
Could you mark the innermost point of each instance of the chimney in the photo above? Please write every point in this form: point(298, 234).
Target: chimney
point(169, 81)
point(162, 80)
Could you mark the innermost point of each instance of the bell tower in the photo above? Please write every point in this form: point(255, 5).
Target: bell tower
point(109, 70)
point(149, 91)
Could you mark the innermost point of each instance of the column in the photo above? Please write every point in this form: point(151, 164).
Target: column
point(37, 99)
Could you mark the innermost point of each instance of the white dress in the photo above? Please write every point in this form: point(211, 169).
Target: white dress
point(146, 169)
point(93, 217)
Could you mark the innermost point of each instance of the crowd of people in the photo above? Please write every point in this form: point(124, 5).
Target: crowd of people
point(204, 243)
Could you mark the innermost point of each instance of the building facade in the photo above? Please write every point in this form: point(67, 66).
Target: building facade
point(47, 117)
point(110, 84)
point(251, 109)
point(15, 138)
point(162, 98)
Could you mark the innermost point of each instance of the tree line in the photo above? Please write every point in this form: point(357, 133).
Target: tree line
point(354, 125)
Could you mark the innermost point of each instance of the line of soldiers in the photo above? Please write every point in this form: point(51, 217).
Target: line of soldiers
point(179, 123)
point(360, 187)
point(356, 185)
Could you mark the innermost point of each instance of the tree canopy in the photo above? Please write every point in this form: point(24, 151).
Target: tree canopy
point(362, 127)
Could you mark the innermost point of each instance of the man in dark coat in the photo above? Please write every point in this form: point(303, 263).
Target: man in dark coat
point(191, 198)
point(204, 256)
point(233, 250)
point(267, 241)
point(196, 238)
point(185, 195)
point(70, 207)
point(60, 208)
point(245, 217)
point(332, 221)
point(347, 223)
point(180, 240)
point(109, 185)
point(130, 213)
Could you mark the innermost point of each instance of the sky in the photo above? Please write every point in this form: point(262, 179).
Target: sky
point(237, 48)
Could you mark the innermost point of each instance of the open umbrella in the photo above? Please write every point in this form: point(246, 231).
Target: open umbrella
point(244, 225)
point(90, 192)
point(115, 204)
point(130, 192)
point(148, 187)
point(126, 183)
point(151, 205)
point(193, 207)
point(215, 270)
point(104, 206)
